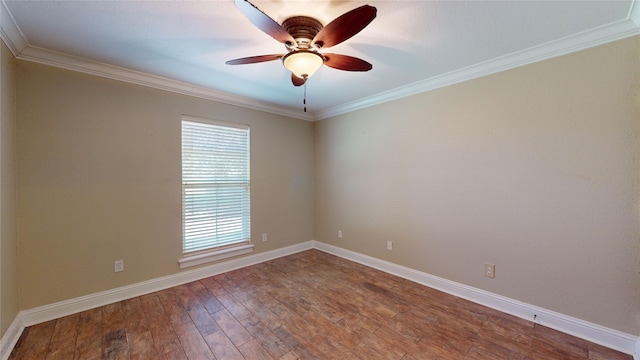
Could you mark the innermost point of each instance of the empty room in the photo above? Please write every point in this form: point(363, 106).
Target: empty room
point(320, 180)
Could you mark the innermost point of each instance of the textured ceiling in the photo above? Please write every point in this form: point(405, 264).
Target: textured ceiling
point(413, 45)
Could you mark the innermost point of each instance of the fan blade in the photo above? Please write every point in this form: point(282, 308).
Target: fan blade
point(344, 62)
point(345, 26)
point(263, 22)
point(297, 81)
point(254, 59)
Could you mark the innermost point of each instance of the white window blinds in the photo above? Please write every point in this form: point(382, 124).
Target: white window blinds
point(215, 185)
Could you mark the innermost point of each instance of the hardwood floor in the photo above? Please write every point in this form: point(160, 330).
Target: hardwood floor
point(310, 305)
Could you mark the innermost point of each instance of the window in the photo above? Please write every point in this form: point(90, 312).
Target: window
point(215, 189)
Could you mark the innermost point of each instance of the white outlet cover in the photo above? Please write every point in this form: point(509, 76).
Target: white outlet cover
point(489, 270)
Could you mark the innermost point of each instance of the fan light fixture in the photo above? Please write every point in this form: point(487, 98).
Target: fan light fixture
point(303, 37)
point(303, 63)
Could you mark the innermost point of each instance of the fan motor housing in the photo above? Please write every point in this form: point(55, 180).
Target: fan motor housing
point(303, 29)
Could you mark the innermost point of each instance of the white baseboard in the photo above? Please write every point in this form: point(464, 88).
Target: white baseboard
point(11, 337)
point(610, 338)
point(63, 308)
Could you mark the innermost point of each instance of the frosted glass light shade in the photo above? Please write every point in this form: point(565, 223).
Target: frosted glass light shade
point(303, 63)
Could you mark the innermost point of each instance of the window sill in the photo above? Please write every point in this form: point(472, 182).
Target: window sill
point(199, 259)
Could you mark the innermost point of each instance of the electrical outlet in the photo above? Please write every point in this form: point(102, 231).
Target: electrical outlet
point(389, 245)
point(264, 237)
point(489, 270)
point(339, 234)
point(118, 265)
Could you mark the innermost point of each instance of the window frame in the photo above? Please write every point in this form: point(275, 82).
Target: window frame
point(225, 250)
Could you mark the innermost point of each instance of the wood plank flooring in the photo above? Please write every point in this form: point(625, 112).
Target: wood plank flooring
point(310, 305)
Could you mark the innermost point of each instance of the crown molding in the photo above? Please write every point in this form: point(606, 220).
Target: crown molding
point(580, 41)
point(52, 58)
point(17, 43)
point(21, 49)
point(10, 33)
point(634, 12)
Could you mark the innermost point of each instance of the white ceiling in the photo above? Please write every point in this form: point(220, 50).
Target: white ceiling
point(414, 46)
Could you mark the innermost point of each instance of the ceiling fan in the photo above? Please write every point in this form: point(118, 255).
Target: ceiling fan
point(304, 36)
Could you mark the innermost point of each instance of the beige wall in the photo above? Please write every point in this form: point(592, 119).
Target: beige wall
point(9, 303)
point(534, 169)
point(100, 180)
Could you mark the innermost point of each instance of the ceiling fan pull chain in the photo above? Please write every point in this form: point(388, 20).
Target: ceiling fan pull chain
point(304, 100)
